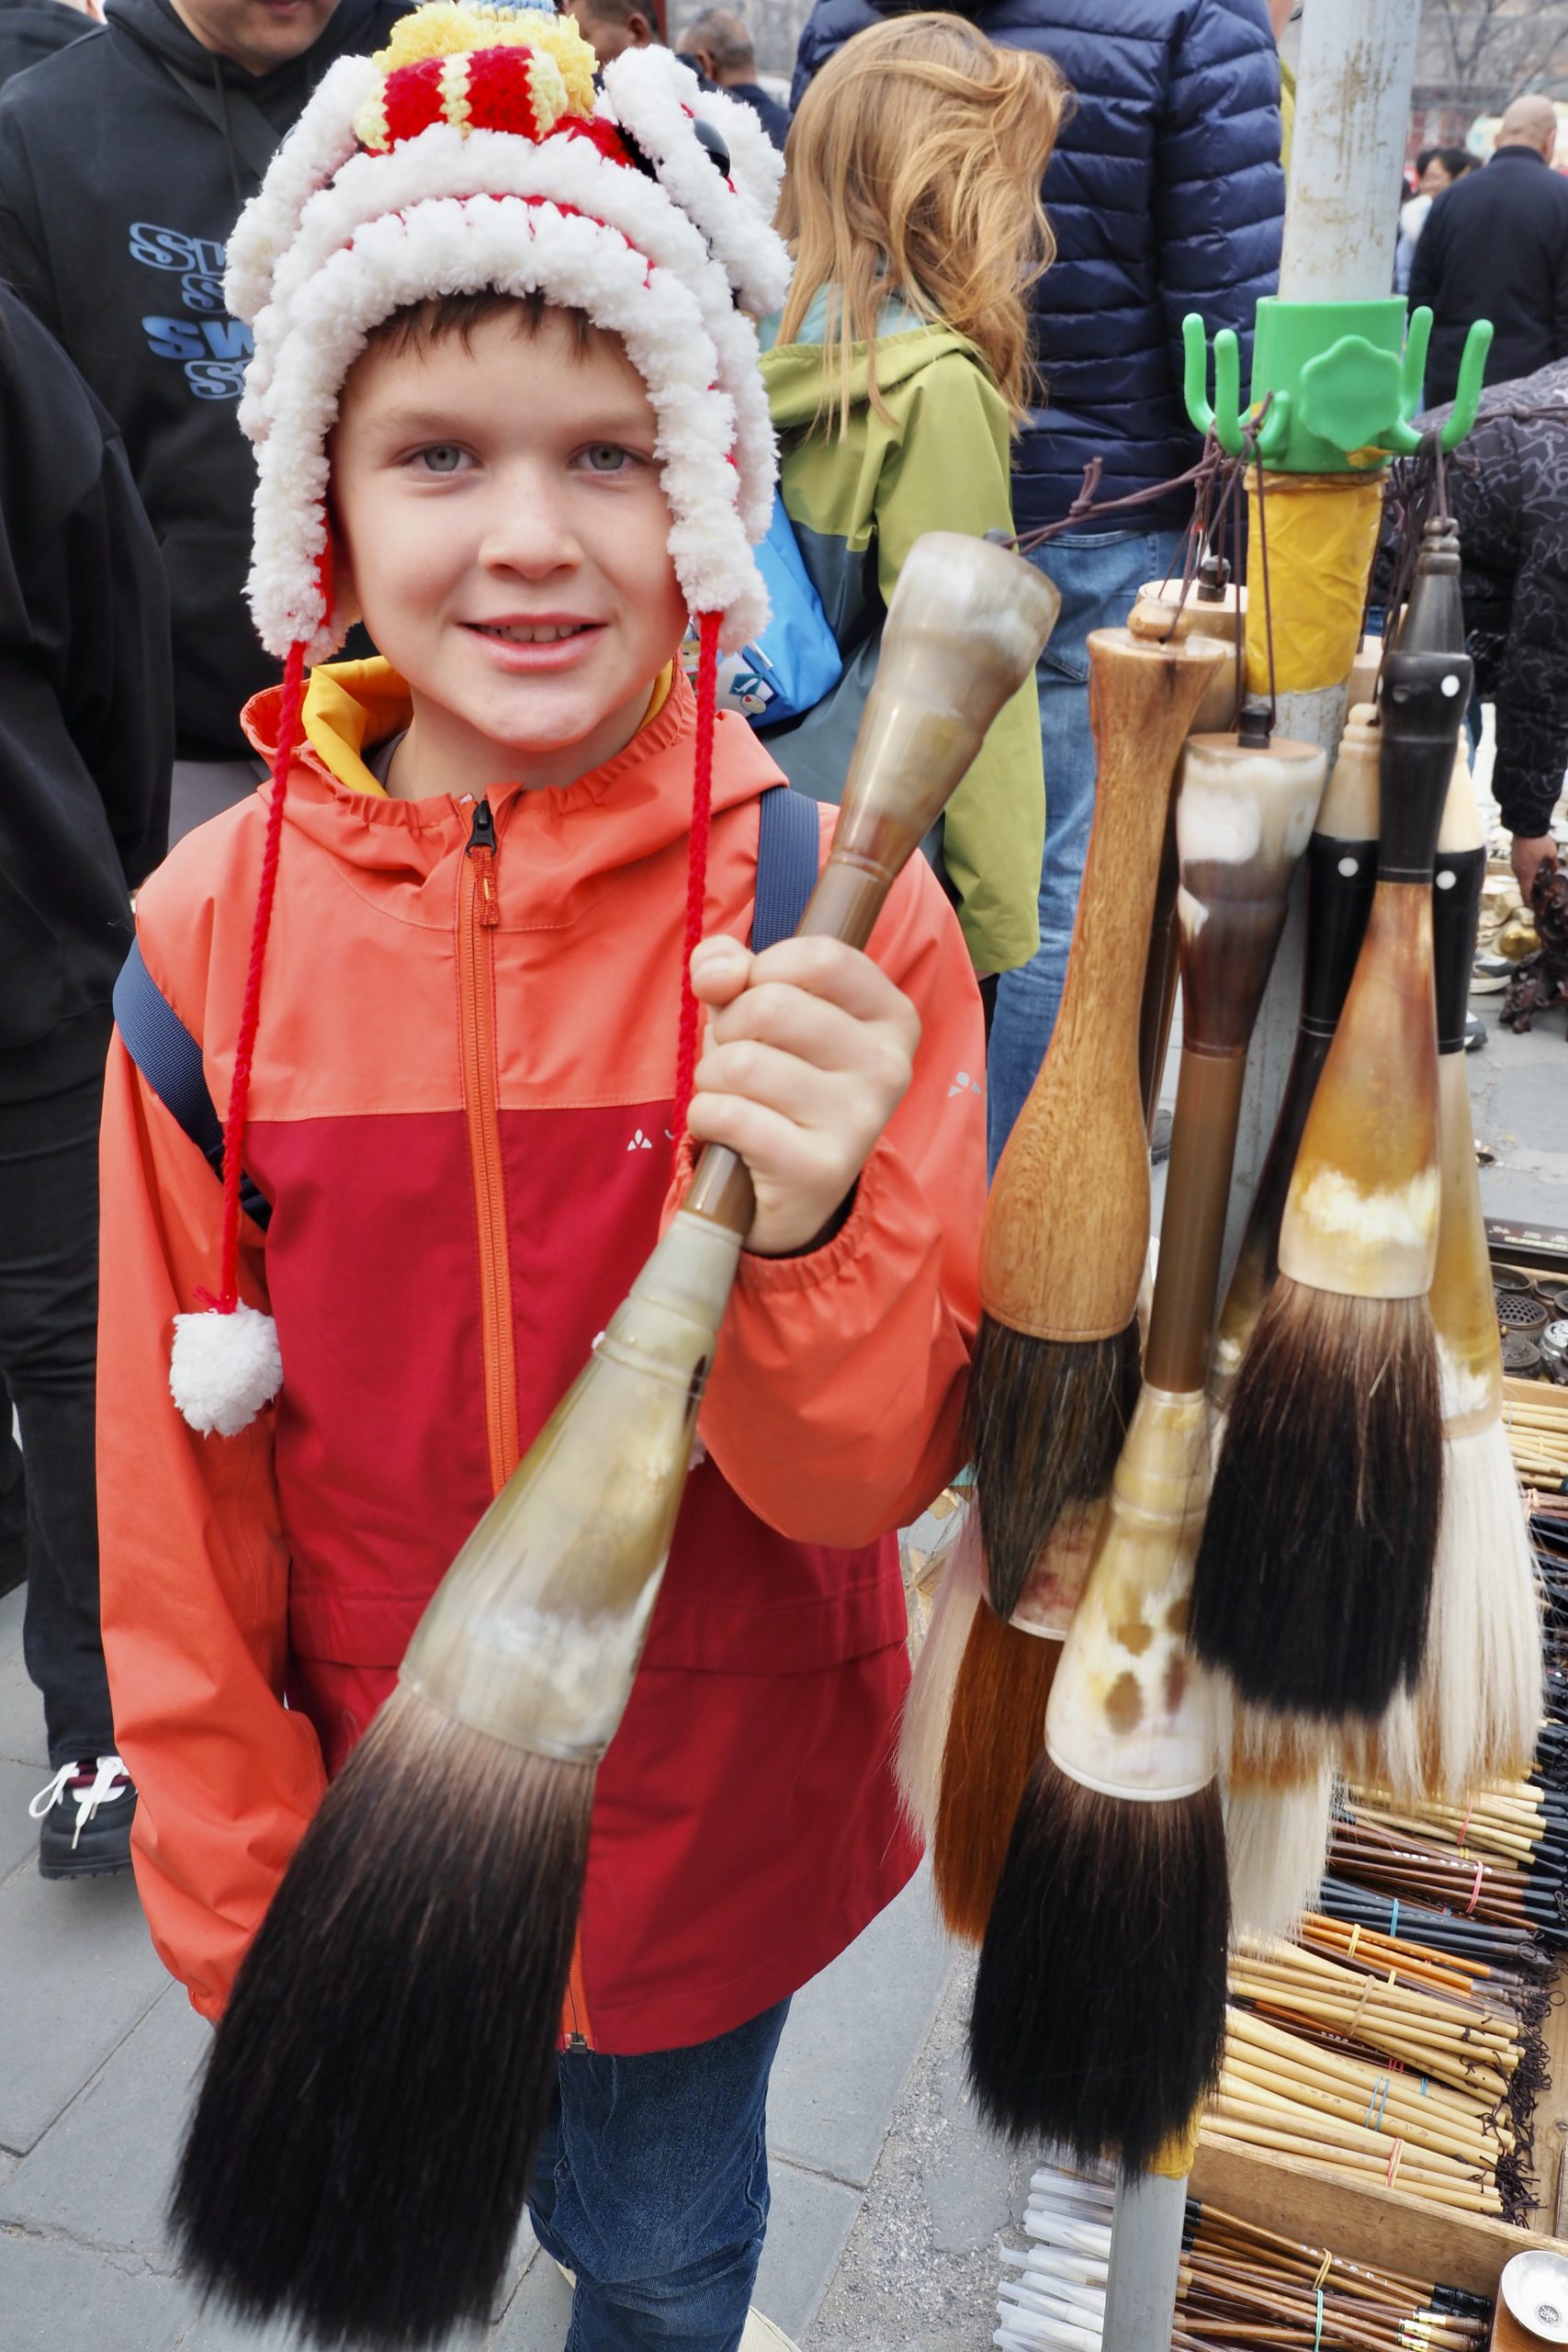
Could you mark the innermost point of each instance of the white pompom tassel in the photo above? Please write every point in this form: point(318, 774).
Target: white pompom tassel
point(224, 1368)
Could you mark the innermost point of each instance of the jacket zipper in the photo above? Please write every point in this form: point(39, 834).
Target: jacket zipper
point(478, 917)
point(479, 914)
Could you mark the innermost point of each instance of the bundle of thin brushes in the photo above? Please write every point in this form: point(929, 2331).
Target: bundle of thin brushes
point(1501, 1860)
point(1389, 2063)
point(1241, 2284)
point(1535, 1414)
point(1238, 2285)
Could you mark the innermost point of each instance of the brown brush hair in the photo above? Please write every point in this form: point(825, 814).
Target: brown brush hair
point(1044, 1423)
point(364, 2134)
point(1313, 1577)
point(995, 1735)
point(914, 167)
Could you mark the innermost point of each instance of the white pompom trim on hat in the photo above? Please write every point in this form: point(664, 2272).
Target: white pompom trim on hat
point(653, 96)
point(443, 161)
point(321, 139)
point(516, 247)
point(224, 1368)
point(756, 166)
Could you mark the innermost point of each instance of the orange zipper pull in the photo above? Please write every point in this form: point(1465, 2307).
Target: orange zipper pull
point(482, 847)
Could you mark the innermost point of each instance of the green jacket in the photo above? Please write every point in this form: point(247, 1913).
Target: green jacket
point(940, 463)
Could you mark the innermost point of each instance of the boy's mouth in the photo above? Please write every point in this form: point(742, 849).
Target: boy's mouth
point(532, 632)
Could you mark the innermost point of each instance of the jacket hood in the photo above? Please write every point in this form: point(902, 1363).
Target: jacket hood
point(154, 24)
point(576, 834)
point(796, 373)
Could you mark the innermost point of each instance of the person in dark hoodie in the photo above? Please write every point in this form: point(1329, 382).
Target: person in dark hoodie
point(86, 731)
point(1165, 194)
point(124, 163)
point(33, 30)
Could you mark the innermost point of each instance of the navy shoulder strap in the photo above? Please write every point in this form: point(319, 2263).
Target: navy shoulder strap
point(788, 839)
point(169, 1060)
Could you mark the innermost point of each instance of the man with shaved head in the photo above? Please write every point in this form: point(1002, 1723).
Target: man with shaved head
point(1495, 246)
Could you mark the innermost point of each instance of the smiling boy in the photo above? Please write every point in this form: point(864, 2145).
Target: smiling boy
point(506, 408)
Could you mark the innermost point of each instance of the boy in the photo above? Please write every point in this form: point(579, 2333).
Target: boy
point(505, 408)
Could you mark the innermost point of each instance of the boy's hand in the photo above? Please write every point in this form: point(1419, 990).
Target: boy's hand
point(809, 1051)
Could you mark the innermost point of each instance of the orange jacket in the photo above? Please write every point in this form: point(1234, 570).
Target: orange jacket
point(459, 1113)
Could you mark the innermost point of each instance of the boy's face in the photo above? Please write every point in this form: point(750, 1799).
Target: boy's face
point(506, 534)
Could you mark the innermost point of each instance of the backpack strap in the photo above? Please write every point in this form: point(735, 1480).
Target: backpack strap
point(169, 1060)
point(788, 850)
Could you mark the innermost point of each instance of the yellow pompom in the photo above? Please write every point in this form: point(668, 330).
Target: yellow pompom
point(447, 28)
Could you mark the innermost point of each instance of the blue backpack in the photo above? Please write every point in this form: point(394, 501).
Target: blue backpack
point(795, 661)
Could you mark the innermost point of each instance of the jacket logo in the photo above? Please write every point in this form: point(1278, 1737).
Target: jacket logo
point(639, 1142)
point(211, 348)
point(964, 1084)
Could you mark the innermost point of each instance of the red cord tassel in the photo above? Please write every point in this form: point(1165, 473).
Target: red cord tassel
point(696, 860)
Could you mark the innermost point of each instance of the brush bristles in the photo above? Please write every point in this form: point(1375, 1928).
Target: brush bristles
point(362, 2144)
point(1314, 1573)
point(1276, 1845)
point(1046, 1421)
point(928, 1709)
point(1099, 2003)
point(995, 1733)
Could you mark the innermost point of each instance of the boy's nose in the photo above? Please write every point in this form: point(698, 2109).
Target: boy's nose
point(529, 531)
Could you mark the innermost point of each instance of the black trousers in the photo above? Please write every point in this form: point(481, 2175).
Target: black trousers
point(49, 1310)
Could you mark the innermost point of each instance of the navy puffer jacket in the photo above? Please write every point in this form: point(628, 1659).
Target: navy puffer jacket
point(1166, 196)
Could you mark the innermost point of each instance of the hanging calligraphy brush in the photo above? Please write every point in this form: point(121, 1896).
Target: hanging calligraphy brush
point(366, 2129)
point(1099, 2000)
point(1067, 1226)
point(1314, 1573)
point(1474, 1715)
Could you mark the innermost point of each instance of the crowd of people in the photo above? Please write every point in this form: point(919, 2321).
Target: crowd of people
point(491, 498)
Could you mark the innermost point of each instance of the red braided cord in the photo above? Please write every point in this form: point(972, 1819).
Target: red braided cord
point(289, 706)
point(696, 860)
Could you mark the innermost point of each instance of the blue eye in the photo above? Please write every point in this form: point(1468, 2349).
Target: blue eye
point(441, 458)
point(607, 457)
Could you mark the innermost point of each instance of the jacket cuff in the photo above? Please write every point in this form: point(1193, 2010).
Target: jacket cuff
point(760, 1277)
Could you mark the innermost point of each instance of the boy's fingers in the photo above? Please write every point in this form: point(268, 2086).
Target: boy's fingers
point(797, 1088)
point(721, 969)
point(809, 1026)
point(826, 967)
point(764, 1139)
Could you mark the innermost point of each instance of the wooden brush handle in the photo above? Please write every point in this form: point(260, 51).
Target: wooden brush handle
point(1067, 1226)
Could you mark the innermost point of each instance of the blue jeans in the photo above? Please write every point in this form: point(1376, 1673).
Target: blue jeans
point(652, 2186)
point(1098, 575)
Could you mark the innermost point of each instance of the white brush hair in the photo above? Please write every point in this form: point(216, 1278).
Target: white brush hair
point(568, 173)
point(514, 247)
point(1476, 1713)
point(1276, 1846)
point(224, 1368)
point(928, 1706)
point(653, 97)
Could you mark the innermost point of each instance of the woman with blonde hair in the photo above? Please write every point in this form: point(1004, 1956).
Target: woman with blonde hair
point(899, 371)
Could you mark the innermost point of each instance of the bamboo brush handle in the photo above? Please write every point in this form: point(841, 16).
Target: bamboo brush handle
point(1067, 1226)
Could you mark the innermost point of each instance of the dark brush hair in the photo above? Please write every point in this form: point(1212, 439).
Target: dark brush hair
point(1099, 2003)
point(364, 2134)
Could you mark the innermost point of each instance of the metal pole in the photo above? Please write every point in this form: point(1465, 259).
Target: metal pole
point(1353, 84)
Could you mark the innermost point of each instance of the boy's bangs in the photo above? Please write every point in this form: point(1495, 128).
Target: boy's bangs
point(420, 326)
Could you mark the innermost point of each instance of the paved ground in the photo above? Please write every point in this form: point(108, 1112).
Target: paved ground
point(888, 2201)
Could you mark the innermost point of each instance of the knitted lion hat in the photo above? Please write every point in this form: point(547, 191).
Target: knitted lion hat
point(475, 153)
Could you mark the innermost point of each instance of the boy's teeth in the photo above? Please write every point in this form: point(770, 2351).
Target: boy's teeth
point(532, 636)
